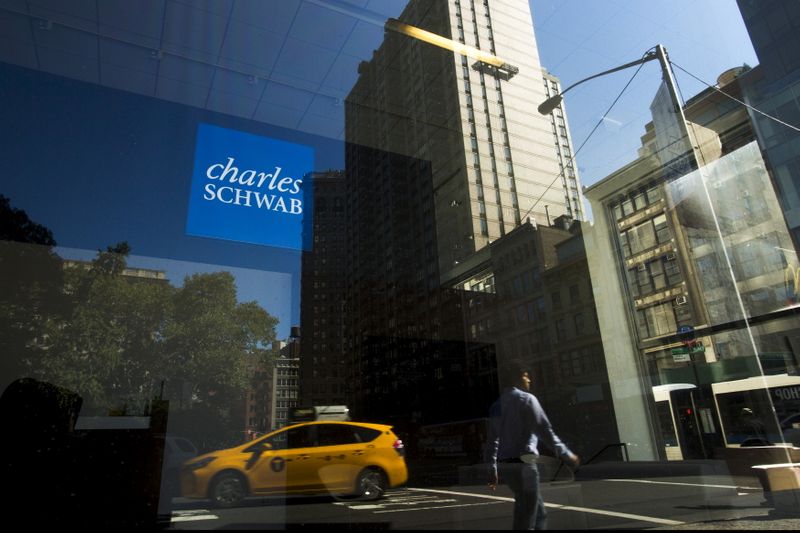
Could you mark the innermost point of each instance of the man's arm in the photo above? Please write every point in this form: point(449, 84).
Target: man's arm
point(544, 430)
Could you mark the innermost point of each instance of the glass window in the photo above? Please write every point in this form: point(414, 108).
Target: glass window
point(628, 207)
point(639, 201)
point(212, 213)
point(574, 294)
point(335, 434)
point(663, 233)
point(642, 237)
point(657, 273)
point(555, 298)
point(561, 329)
point(653, 194)
point(580, 324)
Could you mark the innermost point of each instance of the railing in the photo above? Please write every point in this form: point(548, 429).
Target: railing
point(623, 445)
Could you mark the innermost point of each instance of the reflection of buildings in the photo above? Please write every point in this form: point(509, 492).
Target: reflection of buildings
point(405, 333)
point(284, 390)
point(325, 367)
point(570, 182)
point(682, 291)
point(257, 401)
point(274, 389)
point(131, 273)
point(539, 309)
point(773, 88)
point(491, 155)
point(442, 159)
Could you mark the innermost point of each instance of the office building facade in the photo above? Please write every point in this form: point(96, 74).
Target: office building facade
point(493, 158)
point(701, 259)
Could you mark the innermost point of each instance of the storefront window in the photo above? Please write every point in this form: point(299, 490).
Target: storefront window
point(247, 256)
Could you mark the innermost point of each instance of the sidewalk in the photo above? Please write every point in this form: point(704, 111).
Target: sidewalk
point(770, 520)
point(758, 519)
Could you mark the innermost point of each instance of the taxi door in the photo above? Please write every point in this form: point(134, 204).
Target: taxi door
point(286, 465)
point(339, 456)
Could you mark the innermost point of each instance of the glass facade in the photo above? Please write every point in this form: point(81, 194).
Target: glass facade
point(269, 264)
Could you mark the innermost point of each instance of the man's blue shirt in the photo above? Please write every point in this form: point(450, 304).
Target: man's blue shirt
point(517, 423)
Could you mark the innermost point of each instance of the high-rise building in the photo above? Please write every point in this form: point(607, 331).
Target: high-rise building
point(285, 386)
point(565, 153)
point(445, 155)
point(492, 156)
point(325, 368)
point(772, 88)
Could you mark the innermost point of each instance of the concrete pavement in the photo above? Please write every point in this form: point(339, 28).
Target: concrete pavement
point(770, 520)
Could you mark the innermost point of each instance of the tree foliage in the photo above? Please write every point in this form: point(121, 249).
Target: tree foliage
point(30, 288)
point(125, 337)
point(119, 340)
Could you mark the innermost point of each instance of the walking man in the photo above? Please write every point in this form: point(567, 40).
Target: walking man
point(517, 423)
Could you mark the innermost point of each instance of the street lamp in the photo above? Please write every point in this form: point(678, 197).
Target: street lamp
point(674, 125)
point(658, 52)
point(685, 130)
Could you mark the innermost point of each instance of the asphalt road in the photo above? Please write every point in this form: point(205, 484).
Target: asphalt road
point(663, 503)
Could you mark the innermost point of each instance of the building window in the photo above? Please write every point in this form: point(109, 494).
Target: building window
point(574, 294)
point(641, 237)
point(580, 324)
point(555, 298)
point(561, 330)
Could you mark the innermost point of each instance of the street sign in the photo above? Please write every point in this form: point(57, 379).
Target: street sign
point(682, 354)
point(696, 348)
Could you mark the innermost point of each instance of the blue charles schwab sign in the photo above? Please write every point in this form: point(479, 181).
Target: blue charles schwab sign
point(251, 189)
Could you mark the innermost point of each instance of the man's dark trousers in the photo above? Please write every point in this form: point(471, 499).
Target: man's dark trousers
point(523, 480)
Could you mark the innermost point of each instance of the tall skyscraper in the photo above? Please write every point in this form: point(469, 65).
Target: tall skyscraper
point(324, 367)
point(445, 154)
point(493, 158)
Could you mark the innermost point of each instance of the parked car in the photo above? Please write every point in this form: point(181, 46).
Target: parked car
point(341, 458)
point(177, 450)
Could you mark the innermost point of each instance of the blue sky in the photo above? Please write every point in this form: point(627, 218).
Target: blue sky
point(578, 38)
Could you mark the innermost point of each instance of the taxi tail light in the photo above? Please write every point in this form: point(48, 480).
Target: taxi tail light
point(399, 447)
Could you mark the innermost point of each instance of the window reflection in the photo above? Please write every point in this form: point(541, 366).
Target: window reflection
point(659, 325)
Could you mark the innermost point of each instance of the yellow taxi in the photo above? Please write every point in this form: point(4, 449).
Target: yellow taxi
point(349, 458)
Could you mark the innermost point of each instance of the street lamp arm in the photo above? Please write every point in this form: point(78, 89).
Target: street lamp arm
point(546, 107)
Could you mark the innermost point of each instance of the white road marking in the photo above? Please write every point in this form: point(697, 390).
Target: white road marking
point(399, 499)
point(454, 493)
point(437, 507)
point(682, 484)
point(639, 518)
point(191, 516)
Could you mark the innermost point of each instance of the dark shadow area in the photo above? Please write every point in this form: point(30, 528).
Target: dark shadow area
point(64, 477)
point(717, 507)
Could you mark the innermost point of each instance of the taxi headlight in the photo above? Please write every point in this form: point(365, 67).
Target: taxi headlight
point(202, 463)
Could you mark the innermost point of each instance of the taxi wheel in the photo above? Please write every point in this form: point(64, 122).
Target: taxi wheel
point(371, 484)
point(228, 490)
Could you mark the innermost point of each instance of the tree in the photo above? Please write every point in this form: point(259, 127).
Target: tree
point(109, 345)
point(30, 288)
point(210, 338)
point(126, 336)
